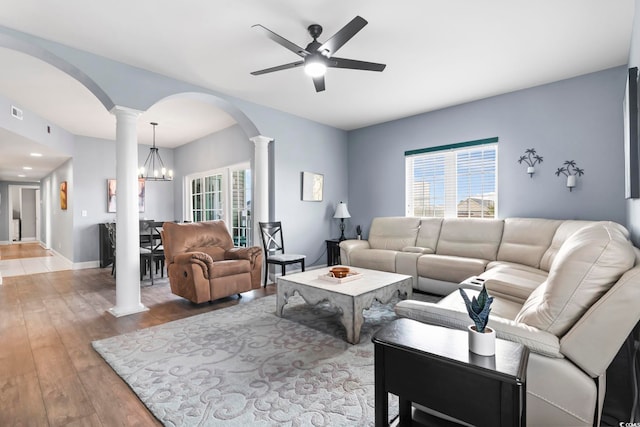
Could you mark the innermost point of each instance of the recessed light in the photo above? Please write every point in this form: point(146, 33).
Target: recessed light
point(36, 154)
point(22, 175)
point(27, 168)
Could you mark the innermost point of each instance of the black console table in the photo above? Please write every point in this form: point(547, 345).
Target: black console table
point(106, 251)
point(432, 366)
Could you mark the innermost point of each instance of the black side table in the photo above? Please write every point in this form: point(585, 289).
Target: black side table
point(333, 252)
point(432, 366)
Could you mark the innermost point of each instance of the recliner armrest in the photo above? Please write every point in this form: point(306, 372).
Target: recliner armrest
point(199, 258)
point(347, 246)
point(249, 253)
point(537, 340)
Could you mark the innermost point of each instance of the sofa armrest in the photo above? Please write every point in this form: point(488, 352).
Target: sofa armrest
point(537, 340)
point(249, 253)
point(348, 246)
point(199, 258)
point(417, 250)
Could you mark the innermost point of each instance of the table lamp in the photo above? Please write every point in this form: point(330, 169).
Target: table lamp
point(342, 212)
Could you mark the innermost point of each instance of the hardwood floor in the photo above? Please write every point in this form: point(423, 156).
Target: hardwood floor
point(49, 373)
point(22, 250)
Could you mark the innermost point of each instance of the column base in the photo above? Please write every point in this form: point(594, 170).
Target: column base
point(126, 311)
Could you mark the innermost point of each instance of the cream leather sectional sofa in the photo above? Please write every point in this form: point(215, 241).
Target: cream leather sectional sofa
point(568, 290)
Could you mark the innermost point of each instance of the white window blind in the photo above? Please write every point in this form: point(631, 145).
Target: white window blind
point(457, 180)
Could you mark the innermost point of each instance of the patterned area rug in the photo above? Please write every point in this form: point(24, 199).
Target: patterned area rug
point(243, 365)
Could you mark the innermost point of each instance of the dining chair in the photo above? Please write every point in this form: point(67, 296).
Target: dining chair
point(273, 245)
point(151, 250)
point(111, 233)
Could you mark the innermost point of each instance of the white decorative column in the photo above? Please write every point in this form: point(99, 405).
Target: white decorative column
point(127, 221)
point(261, 183)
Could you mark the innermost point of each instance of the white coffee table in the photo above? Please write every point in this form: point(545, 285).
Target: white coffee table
point(351, 298)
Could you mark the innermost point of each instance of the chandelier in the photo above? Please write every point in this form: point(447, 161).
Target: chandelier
point(154, 168)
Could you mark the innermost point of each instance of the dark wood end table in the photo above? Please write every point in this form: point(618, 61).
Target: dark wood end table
point(432, 366)
point(333, 252)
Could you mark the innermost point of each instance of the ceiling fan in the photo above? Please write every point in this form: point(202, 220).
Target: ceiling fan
point(317, 57)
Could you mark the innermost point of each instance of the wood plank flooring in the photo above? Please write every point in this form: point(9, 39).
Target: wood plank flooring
point(22, 250)
point(49, 373)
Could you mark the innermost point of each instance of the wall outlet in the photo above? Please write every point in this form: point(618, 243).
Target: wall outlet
point(84, 213)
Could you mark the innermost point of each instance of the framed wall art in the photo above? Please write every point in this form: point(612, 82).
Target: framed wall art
point(111, 195)
point(312, 184)
point(63, 195)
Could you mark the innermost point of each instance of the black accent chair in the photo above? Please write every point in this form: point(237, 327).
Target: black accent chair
point(273, 245)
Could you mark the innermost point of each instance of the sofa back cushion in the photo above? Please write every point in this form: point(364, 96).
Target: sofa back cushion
point(566, 229)
point(393, 232)
point(470, 237)
point(525, 240)
point(429, 233)
point(589, 262)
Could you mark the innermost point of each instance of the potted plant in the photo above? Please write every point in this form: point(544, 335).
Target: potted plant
point(358, 232)
point(482, 339)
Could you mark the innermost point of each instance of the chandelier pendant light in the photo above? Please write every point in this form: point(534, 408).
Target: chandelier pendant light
point(154, 168)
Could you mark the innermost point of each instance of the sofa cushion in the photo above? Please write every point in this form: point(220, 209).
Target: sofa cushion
point(525, 240)
point(516, 266)
point(449, 268)
point(511, 283)
point(229, 268)
point(374, 259)
point(566, 229)
point(586, 266)
point(470, 237)
point(393, 233)
point(428, 233)
point(451, 312)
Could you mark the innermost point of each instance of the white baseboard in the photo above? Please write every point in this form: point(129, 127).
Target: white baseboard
point(5, 242)
point(86, 264)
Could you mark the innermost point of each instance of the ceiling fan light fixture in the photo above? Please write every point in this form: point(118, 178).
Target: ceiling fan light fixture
point(315, 67)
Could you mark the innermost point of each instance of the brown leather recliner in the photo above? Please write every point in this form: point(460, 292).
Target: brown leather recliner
point(203, 265)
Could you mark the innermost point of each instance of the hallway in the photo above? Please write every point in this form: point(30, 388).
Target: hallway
point(21, 259)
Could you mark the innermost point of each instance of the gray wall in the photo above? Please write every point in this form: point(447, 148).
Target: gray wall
point(576, 119)
point(633, 205)
point(227, 147)
point(303, 145)
point(61, 221)
point(94, 163)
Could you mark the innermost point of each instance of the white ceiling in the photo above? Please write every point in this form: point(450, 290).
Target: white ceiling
point(438, 54)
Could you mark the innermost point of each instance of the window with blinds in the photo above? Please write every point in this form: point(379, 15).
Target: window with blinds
point(457, 180)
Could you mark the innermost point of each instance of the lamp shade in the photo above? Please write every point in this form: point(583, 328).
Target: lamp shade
point(342, 211)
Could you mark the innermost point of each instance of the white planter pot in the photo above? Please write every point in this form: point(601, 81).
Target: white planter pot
point(531, 170)
point(482, 344)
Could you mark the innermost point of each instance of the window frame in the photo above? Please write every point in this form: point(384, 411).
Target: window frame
point(450, 176)
point(227, 190)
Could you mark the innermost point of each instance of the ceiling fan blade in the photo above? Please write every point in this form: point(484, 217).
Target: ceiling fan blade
point(282, 41)
point(355, 65)
point(278, 68)
point(318, 82)
point(344, 35)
